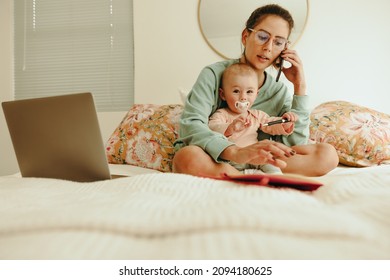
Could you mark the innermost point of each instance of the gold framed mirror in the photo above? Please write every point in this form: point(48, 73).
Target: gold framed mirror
point(222, 21)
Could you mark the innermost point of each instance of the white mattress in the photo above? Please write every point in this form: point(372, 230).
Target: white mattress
point(129, 170)
point(171, 216)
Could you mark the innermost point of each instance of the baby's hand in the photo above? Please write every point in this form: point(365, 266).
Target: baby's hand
point(290, 116)
point(238, 124)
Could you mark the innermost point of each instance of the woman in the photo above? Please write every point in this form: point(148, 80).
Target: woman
point(202, 152)
point(238, 121)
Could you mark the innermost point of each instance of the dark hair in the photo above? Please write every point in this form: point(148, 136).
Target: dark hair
point(272, 9)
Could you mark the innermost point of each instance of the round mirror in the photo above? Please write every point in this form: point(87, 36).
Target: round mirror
point(222, 21)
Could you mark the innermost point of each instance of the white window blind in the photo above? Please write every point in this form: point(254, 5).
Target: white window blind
point(71, 46)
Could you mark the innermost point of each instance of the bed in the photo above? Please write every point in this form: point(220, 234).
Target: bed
point(155, 214)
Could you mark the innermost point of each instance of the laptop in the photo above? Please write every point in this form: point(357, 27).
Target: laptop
point(57, 137)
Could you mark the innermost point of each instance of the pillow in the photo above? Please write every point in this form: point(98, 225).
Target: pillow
point(360, 135)
point(145, 137)
point(183, 95)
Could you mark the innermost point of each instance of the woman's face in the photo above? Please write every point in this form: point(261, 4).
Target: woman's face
point(262, 56)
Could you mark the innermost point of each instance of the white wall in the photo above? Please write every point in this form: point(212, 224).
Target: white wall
point(344, 50)
point(169, 49)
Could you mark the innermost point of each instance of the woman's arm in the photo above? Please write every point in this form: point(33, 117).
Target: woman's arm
point(299, 105)
point(202, 101)
point(262, 152)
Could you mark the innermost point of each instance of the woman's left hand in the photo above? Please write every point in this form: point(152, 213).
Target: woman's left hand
point(294, 73)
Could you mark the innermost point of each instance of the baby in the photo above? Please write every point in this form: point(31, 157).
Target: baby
point(238, 122)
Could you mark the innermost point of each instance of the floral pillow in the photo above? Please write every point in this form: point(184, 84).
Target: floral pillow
point(145, 137)
point(360, 135)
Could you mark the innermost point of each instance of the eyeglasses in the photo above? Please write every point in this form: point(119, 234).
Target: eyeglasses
point(262, 37)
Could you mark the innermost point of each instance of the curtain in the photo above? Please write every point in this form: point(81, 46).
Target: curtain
point(72, 46)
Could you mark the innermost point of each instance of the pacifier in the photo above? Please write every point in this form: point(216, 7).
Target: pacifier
point(242, 105)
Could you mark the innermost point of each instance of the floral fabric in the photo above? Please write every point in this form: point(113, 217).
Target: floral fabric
point(360, 135)
point(145, 137)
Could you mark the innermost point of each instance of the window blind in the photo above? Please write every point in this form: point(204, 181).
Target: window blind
point(71, 46)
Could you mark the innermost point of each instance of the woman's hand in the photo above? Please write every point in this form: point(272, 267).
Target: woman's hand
point(262, 152)
point(294, 73)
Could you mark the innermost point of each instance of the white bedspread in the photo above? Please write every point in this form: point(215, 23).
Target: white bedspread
point(171, 216)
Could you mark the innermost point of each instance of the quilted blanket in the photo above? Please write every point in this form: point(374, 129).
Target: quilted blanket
point(172, 216)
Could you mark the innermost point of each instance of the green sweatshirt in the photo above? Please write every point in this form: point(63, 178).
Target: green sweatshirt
point(203, 100)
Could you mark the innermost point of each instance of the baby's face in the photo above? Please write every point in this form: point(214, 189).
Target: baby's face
point(240, 92)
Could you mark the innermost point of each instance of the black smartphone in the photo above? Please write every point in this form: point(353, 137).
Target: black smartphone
point(280, 65)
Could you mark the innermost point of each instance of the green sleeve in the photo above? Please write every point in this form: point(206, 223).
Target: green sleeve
point(300, 135)
point(275, 100)
point(202, 101)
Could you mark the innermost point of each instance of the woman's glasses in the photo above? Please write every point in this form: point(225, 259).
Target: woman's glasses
point(262, 37)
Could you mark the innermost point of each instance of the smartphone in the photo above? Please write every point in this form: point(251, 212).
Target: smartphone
point(280, 65)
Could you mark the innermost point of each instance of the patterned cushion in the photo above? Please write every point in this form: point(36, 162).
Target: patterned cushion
point(145, 137)
point(360, 135)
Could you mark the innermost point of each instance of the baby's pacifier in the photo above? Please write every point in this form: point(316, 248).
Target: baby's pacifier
point(242, 105)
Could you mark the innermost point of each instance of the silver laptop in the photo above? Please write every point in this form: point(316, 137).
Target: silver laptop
point(57, 137)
